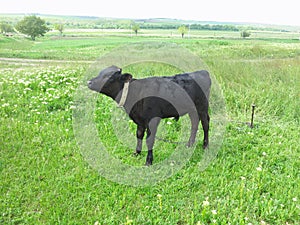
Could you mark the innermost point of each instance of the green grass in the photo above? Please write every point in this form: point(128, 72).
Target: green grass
point(92, 44)
point(254, 179)
point(61, 48)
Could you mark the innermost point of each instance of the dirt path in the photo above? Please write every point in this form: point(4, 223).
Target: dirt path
point(40, 61)
point(36, 62)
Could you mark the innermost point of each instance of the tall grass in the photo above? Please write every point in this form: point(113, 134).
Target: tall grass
point(271, 85)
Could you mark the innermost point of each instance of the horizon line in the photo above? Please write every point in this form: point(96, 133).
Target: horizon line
point(149, 18)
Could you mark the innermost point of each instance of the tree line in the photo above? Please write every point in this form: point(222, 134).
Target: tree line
point(34, 26)
point(192, 27)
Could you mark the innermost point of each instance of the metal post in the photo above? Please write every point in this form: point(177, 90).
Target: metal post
point(252, 116)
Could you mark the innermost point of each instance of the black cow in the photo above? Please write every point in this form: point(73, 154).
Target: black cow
point(148, 100)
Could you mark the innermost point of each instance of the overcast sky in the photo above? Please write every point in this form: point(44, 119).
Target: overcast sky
point(285, 12)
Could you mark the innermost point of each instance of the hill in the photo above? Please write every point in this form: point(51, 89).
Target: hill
point(91, 22)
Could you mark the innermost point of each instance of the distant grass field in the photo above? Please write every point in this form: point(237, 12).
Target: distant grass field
point(173, 33)
point(45, 180)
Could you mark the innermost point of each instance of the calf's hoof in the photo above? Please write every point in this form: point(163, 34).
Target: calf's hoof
point(190, 144)
point(205, 145)
point(137, 153)
point(148, 163)
point(149, 160)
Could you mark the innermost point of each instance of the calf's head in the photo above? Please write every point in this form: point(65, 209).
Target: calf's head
point(109, 81)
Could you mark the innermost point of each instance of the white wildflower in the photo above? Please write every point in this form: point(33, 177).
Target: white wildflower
point(206, 202)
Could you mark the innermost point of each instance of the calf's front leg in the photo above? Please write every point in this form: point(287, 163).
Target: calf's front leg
point(139, 135)
point(151, 132)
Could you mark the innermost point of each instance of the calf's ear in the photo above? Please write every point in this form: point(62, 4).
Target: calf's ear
point(126, 77)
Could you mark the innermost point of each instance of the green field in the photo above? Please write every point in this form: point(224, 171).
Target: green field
point(253, 180)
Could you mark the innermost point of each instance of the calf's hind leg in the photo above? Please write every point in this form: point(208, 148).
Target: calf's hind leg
point(194, 124)
point(204, 117)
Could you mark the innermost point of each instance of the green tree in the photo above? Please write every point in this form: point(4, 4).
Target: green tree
point(6, 28)
point(32, 26)
point(182, 30)
point(245, 34)
point(59, 27)
point(135, 27)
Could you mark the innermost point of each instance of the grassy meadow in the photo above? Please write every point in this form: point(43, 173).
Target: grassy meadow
point(255, 178)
